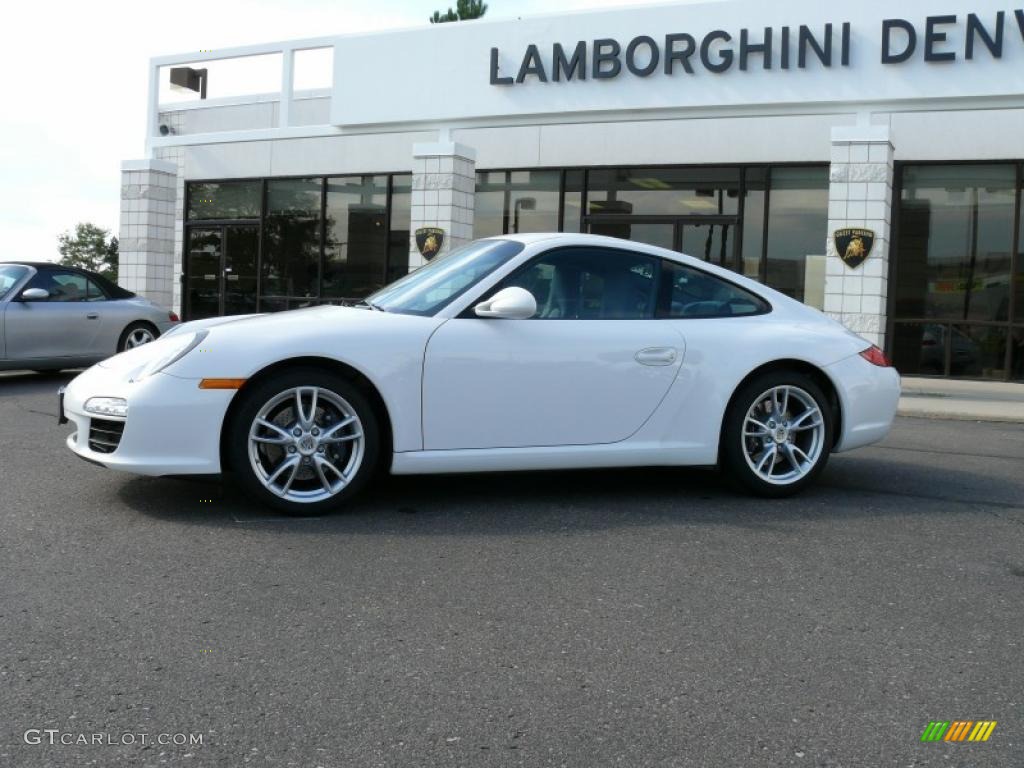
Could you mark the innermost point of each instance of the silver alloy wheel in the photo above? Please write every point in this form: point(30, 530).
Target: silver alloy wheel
point(306, 444)
point(783, 435)
point(138, 337)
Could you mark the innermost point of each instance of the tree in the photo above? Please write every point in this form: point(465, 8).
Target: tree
point(90, 247)
point(464, 9)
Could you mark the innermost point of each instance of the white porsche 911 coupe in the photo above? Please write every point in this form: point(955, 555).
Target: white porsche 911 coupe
point(545, 351)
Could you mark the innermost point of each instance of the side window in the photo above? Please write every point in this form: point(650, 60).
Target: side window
point(590, 284)
point(62, 286)
point(693, 293)
point(69, 286)
point(93, 292)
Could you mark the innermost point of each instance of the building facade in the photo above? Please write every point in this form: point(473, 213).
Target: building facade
point(865, 160)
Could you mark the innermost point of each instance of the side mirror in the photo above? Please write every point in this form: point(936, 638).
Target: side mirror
point(35, 294)
point(509, 304)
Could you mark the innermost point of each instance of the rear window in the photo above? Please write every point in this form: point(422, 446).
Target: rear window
point(692, 293)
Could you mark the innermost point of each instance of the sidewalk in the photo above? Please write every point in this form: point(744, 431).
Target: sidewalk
point(962, 400)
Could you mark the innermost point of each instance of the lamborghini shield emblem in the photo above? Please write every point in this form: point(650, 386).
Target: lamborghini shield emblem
point(429, 241)
point(853, 245)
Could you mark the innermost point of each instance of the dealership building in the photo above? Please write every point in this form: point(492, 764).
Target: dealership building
point(864, 158)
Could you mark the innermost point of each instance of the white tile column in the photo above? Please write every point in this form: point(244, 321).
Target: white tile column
point(860, 196)
point(146, 236)
point(443, 186)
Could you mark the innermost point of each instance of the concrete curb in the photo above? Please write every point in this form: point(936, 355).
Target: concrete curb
point(962, 400)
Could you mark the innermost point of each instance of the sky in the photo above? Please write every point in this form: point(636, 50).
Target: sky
point(75, 85)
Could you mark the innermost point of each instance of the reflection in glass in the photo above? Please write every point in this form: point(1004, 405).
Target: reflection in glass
point(240, 258)
point(514, 202)
point(955, 238)
point(797, 231)
point(661, 234)
point(753, 222)
point(1017, 353)
point(224, 200)
point(573, 201)
point(291, 238)
point(398, 235)
point(712, 242)
point(664, 191)
point(203, 287)
point(533, 201)
point(355, 251)
point(489, 203)
point(978, 351)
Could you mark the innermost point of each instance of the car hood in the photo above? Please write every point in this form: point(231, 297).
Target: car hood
point(238, 347)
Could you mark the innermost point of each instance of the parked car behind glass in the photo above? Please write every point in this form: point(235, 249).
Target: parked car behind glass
point(54, 317)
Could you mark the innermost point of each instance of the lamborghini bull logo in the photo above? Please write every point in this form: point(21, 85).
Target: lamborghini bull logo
point(853, 245)
point(429, 241)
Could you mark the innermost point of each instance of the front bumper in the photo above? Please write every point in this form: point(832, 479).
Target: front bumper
point(172, 428)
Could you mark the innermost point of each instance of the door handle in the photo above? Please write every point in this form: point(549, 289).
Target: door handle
point(656, 356)
point(92, 315)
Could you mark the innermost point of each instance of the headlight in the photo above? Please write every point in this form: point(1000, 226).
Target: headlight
point(168, 351)
point(107, 406)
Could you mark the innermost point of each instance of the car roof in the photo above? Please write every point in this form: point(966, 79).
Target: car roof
point(580, 238)
point(43, 265)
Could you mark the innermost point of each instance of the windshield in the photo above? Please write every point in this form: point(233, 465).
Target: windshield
point(432, 287)
point(9, 275)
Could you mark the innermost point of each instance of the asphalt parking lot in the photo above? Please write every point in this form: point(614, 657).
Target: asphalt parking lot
point(627, 618)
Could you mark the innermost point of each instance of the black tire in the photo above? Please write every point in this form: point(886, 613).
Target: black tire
point(346, 397)
point(736, 446)
point(140, 325)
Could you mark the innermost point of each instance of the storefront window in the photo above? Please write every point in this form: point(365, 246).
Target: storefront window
point(398, 233)
point(533, 201)
point(797, 232)
point(664, 191)
point(224, 200)
point(489, 202)
point(755, 185)
point(955, 271)
point(356, 236)
point(573, 206)
point(291, 238)
point(514, 202)
point(955, 238)
point(1017, 331)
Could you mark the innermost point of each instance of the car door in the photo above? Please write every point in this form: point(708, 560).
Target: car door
point(64, 325)
point(590, 367)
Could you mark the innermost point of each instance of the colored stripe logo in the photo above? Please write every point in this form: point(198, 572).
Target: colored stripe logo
point(958, 730)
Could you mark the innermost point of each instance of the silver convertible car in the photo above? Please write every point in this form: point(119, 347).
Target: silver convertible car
point(54, 317)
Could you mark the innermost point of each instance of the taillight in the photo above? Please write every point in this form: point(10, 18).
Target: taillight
point(173, 317)
point(875, 356)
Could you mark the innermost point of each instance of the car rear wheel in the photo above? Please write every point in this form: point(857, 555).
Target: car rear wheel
point(303, 442)
point(135, 335)
point(777, 435)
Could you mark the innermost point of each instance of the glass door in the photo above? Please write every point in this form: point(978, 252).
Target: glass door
point(202, 286)
point(241, 253)
point(222, 269)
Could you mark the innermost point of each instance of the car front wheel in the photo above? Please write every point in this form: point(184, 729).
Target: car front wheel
point(777, 434)
point(303, 442)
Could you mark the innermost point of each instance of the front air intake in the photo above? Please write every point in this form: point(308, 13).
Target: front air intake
point(105, 435)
